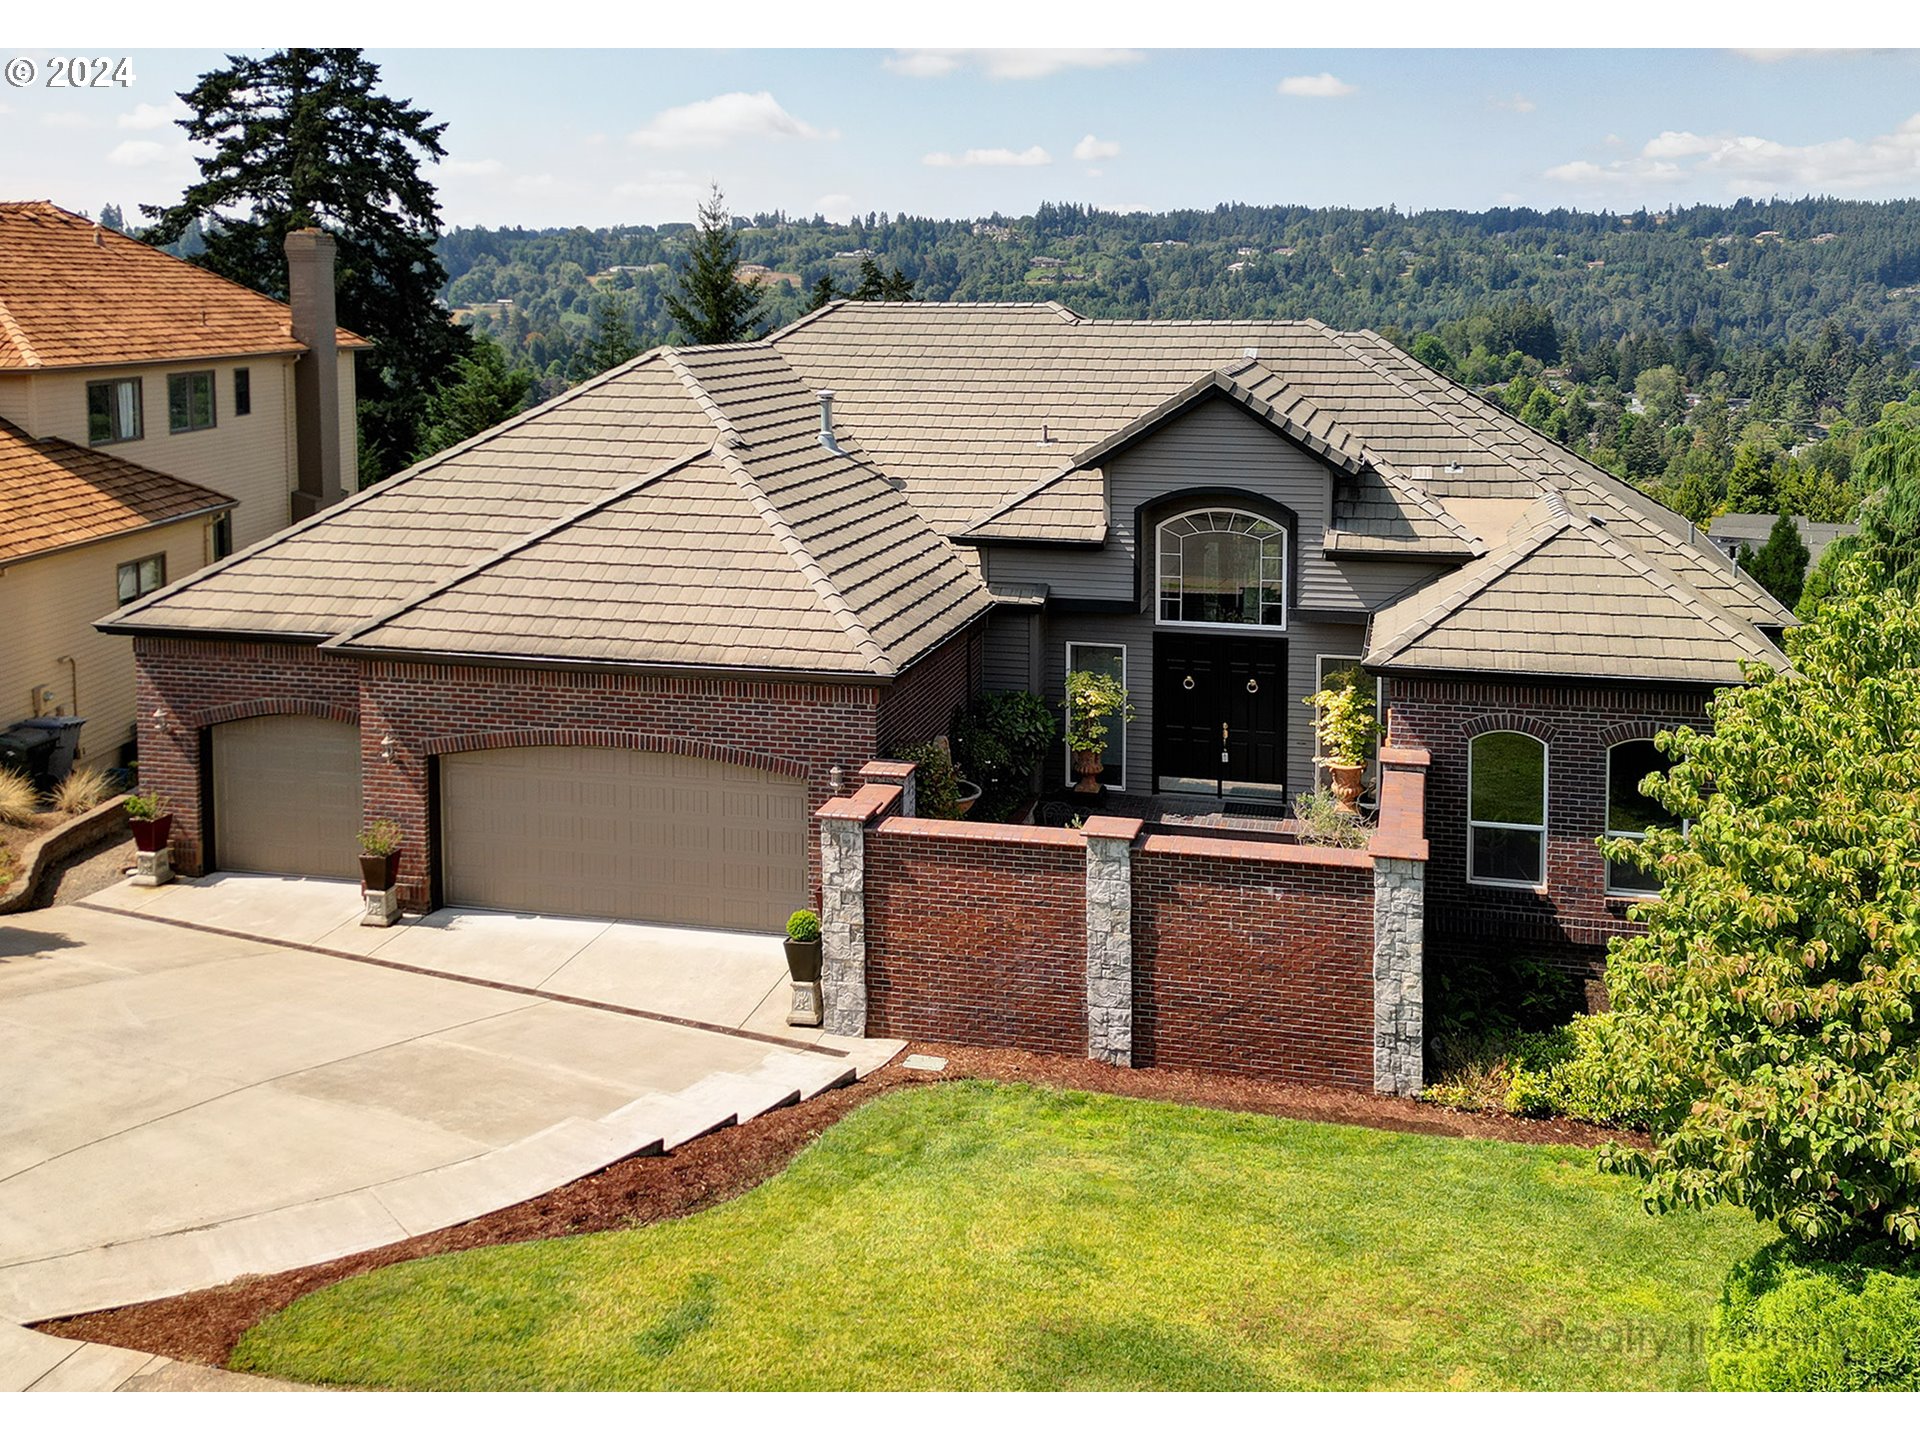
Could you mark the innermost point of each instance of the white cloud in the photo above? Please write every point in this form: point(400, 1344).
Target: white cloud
point(135, 154)
point(68, 120)
point(153, 117)
point(836, 207)
point(1323, 86)
point(473, 167)
point(1751, 164)
point(1006, 64)
point(1516, 102)
point(1774, 57)
point(723, 119)
point(1032, 155)
point(1096, 149)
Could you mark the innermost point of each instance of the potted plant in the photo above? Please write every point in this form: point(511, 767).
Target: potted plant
point(1345, 724)
point(803, 946)
point(966, 794)
point(380, 854)
point(1093, 700)
point(150, 818)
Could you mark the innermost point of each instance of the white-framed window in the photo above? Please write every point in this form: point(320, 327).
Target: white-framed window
point(1103, 659)
point(113, 411)
point(1220, 567)
point(190, 401)
point(1507, 810)
point(1630, 814)
point(140, 577)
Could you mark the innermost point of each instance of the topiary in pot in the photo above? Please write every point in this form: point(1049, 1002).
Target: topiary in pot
point(803, 946)
point(1093, 700)
point(1345, 724)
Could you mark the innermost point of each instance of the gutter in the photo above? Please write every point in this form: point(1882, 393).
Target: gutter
point(202, 513)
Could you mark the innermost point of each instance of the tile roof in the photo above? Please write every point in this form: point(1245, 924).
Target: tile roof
point(54, 494)
point(1730, 532)
point(76, 294)
point(1565, 596)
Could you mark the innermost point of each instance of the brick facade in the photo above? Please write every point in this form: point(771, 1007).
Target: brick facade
point(1569, 920)
point(1259, 967)
point(796, 728)
point(978, 938)
point(920, 704)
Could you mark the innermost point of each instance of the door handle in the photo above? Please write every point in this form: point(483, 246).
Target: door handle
point(1223, 742)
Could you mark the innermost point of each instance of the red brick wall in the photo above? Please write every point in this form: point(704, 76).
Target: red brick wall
point(977, 934)
point(201, 683)
point(1570, 921)
point(920, 704)
point(1252, 966)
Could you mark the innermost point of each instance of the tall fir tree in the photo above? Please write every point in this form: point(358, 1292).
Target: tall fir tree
point(1781, 563)
point(301, 138)
point(714, 306)
point(822, 294)
point(612, 341)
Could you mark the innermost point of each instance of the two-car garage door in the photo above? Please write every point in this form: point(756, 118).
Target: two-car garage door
point(624, 834)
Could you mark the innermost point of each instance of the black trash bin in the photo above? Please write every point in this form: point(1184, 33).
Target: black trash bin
point(65, 730)
point(28, 751)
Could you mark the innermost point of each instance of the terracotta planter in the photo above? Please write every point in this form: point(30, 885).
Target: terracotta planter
point(1087, 765)
point(803, 960)
point(1348, 783)
point(151, 835)
point(377, 872)
point(969, 794)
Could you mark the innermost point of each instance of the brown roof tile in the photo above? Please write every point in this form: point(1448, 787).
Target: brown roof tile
point(75, 294)
point(54, 494)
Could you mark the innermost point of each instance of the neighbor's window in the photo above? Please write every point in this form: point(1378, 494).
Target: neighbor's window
point(113, 411)
point(190, 401)
point(223, 536)
point(141, 577)
point(1223, 567)
point(1630, 814)
point(242, 391)
point(1507, 809)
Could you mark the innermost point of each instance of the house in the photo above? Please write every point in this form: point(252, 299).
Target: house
point(153, 418)
point(1730, 532)
point(629, 653)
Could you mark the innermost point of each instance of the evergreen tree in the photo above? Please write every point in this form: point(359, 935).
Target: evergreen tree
point(1750, 487)
point(482, 391)
point(822, 294)
point(896, 287)
point(112, 219)
point(1781, 563)
point(302, 138)
point(613, 340)
point(714, 306)
point(873, 281)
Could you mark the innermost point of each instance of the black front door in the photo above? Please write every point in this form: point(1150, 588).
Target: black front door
point(1219, 709)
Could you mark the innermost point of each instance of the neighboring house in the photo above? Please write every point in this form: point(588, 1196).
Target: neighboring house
point(611, 656)
point(1730, 532)
point(195, 387)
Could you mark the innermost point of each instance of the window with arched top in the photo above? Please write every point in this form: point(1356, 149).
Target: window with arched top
point(1220, 566)
point(1507, 809)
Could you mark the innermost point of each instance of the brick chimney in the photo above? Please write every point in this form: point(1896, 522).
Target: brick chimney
point(316, 375)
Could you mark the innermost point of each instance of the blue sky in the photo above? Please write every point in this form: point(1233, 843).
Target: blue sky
point(607, 136)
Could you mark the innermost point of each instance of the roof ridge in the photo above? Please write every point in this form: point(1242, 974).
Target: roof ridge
point(815, 574)
point(14, 333)
point(730, 435)
point(1045, 482)
point(379, 488)
point(517, 544)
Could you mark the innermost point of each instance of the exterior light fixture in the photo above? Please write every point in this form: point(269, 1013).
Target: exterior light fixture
point(386, 748)
point(162, 721)
point(837, 778)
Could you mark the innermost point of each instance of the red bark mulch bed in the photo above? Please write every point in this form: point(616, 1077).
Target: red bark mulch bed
point(204, 1326)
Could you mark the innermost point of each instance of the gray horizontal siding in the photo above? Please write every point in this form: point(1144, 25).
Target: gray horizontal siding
point(1009, 647)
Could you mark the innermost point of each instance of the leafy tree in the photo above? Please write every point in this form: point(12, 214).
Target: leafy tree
point(612, 341)
point(303, 138)
point(482, 391)
point(1889, 469)
point(1660, 392)
point(1781, 563)
point(715, 306)
point(1823, 581)
point(1779, 978)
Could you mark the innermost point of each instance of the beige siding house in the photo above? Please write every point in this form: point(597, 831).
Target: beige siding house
point(150, 418)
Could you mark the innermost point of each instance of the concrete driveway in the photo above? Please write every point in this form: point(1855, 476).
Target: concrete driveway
point(184, 1106)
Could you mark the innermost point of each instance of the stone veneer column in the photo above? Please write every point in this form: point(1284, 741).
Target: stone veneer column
point(1399, 1006)
point(1109, 844)
point(843, 905)
point(1399, 854)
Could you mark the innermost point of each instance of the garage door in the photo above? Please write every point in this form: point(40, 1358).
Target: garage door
point(286, 796)
point(625, 834)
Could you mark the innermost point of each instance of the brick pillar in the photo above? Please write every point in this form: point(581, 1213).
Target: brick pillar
point(897, 773)
point(843, 904)
point(1109, 844)
point(1399, 854)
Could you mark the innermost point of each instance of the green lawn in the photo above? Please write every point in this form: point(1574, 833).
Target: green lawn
point(980, 1236)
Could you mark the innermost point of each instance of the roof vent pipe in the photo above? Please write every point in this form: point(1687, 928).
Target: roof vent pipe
point(827, 440)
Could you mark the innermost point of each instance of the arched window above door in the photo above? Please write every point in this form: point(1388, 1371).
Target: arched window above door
point(1221, 566)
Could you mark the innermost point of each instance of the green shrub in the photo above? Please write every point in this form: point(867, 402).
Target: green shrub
point(1593, 1068)
point(146, 805)
point(803, 927)
point(1093, 699)
point(1495, 994)
point(382, 837)
point(1788, 1321)
point(19, 802)
point(999, 742)
point(936, 785)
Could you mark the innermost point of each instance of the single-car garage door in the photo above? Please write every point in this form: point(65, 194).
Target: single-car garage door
point(624, 834)
point(286, 796)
